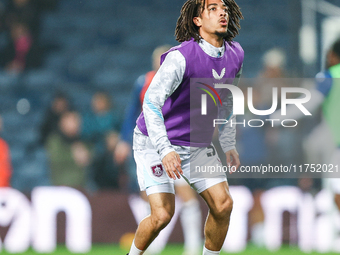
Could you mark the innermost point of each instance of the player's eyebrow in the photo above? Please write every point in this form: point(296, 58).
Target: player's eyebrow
point(211, 5)
point(214, 4)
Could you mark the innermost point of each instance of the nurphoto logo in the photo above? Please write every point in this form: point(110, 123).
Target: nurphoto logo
point(239, 104)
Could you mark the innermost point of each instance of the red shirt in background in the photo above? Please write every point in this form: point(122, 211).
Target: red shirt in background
point(5, 164)
point(148, 78)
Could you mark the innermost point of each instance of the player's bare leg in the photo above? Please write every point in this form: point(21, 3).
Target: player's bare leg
point(220, 206)
point(162, 209)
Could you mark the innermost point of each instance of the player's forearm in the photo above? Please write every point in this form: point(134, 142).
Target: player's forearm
point(227, 135)
point(227, 132)
point(156, 129)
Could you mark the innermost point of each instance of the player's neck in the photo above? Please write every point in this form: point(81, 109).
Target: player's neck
point(215, 41)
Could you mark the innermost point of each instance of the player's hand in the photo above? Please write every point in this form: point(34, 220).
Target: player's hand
point(172, 164)
point(233, 160)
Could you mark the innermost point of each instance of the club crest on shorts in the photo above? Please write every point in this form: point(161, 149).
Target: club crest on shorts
point(157, 170)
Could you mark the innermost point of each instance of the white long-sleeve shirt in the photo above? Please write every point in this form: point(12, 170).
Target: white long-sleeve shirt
point(163, 85)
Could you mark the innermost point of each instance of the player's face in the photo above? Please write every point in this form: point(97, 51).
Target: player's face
point(213, 20)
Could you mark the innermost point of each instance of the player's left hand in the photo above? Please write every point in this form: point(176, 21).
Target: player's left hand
point(233, 160)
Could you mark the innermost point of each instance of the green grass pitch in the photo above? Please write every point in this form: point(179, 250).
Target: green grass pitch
point(174, 249)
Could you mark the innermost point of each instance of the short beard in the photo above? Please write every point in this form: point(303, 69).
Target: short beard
point(221, 34)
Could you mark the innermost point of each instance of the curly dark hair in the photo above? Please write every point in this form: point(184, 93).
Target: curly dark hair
point(186, 29)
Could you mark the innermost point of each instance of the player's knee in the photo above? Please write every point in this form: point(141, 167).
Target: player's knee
point(223, 209)
point(162, 218)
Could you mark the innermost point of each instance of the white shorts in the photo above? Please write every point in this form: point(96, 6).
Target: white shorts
point(153, 178)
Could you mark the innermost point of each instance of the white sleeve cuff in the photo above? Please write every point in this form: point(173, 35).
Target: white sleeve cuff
point(229, 148)
point(165, 152)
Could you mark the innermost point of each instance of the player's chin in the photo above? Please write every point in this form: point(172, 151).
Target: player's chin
point(221, 33)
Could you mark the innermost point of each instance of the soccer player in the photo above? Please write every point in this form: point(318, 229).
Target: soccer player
point(188, 206)
point(326, 95)
point(166, 143)
point(330, 88)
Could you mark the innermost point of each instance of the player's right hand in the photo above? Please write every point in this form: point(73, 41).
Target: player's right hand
point(233, 159)
point(172, 165)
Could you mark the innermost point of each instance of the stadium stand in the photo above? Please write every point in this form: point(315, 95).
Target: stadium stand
point(95, 45)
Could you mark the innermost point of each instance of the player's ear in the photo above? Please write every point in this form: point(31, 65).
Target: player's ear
point(197, 21)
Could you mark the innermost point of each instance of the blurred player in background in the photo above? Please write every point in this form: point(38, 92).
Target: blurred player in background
point(5, 162)
point(163, 142)
point(326, 94)
point(330, 89)
point(188, 206)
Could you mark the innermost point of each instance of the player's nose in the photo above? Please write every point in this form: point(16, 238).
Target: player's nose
point(223, 13)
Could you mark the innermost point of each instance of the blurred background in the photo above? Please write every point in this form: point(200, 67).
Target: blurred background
point(68, 69)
